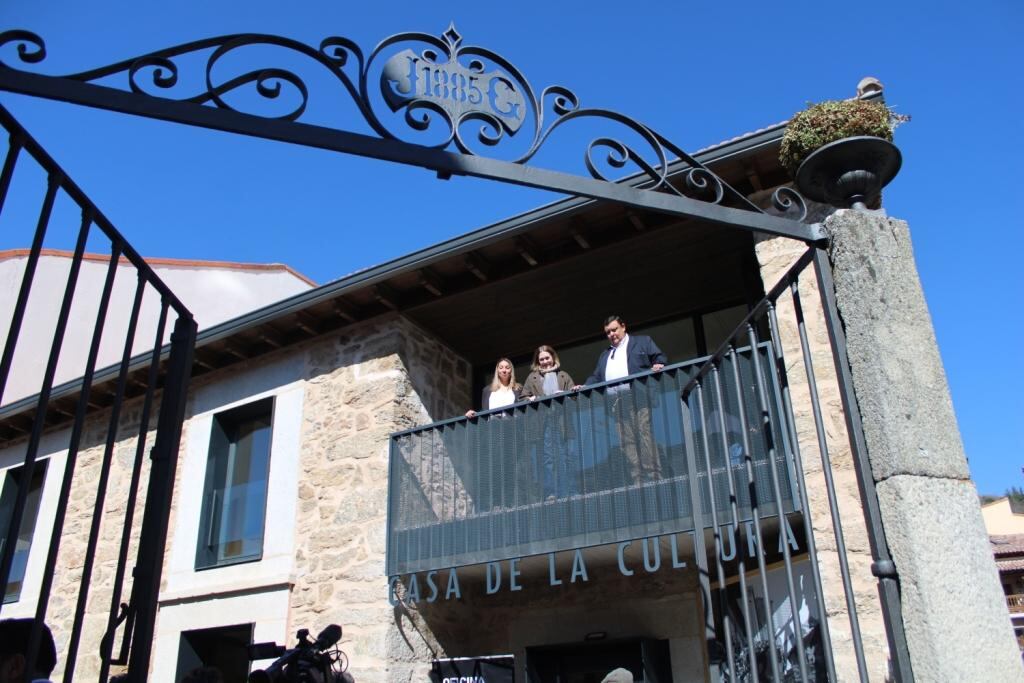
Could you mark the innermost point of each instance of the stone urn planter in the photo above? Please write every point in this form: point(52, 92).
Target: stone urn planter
point(841, 152)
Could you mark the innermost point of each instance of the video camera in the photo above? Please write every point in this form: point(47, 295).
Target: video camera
point(310, 661)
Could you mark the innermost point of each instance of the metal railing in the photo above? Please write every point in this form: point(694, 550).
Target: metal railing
point(1015, 603)
point(769, 623)
point(164, 371)
point(728, 431)
point(602, 465)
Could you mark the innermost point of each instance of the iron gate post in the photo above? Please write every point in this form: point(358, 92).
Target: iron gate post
point(153, 535)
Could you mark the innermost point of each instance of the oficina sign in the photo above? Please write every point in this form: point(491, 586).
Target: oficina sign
point(495, 669)
point(504, 575)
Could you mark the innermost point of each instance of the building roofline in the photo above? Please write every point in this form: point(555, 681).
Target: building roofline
point(740, 146)
point(8, 254)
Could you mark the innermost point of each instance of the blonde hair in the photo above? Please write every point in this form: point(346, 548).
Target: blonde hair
point(536, 354)
point(496, 382)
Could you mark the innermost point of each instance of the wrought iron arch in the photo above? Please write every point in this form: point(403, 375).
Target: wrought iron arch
point(444, 84)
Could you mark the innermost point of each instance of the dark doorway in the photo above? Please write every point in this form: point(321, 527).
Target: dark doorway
point(223, 648)
point(647, 660)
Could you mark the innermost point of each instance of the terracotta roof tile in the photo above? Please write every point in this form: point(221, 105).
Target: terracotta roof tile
point(1007, 544)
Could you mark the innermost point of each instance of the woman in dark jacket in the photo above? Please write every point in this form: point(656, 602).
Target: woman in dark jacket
point(554, 444)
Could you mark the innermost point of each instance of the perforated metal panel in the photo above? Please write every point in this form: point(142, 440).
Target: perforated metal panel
point(602, 465)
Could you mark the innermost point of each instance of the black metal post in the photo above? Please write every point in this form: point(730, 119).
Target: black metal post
point(106, 648)
point(32, 449)
point(801, 482)
point(153, 535)
point(7, 557)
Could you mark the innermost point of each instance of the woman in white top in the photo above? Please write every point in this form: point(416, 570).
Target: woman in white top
point(493, 474)
point(503, 389)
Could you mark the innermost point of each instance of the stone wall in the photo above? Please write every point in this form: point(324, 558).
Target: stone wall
point(363, 385)
point(775, 256)
point(954, 612)
point(81, 503)
point(373, 379)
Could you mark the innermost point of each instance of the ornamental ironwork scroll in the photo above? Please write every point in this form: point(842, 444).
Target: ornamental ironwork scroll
point(436, 84)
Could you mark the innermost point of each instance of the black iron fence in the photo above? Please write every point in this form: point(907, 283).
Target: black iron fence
point(770, 622)
point(602, 465)
point(154, 381)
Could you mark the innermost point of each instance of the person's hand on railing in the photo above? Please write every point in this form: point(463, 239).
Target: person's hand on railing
point(470, 413)
point(657, 367)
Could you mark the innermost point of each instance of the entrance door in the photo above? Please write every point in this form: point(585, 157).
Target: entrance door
point(647, 660)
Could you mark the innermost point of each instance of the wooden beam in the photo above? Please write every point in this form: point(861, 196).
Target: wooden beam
point(199, 357)
point(345, 310)
point(478, 265)
point(270, 340)
point(20, 423)
point(386, 295)
point(235, 352)
point(430, 281)
point(60, 410)
point(753, 177)
point(98, 400)
point(636, 221)
point(580, 238)
point(527, 251)
point(305, 322)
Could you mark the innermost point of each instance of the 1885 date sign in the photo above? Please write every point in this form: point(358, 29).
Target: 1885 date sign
point(432, 85)
point(459, 90)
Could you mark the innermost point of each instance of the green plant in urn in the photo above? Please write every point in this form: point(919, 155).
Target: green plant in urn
point(841, 151)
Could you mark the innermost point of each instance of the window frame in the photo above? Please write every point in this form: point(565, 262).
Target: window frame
point(220, 457)
point(11, 476)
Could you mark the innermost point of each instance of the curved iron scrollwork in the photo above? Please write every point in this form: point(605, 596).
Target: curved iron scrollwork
point(441, 88)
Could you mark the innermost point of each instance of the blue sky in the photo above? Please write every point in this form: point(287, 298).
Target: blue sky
point(699, 73)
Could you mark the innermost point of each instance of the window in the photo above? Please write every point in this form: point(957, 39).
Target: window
point(223, 648)
point(235, 493)
point(8, 497)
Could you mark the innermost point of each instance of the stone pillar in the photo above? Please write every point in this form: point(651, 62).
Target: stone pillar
point(954, 612)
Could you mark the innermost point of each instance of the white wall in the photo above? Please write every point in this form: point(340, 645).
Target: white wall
point(213, 293)
point(53, 449)
point(1000, 519)
point(252, 592)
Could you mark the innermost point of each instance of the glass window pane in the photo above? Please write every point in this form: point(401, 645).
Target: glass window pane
point(236, 487)
point(23, 543)
point(718, 325)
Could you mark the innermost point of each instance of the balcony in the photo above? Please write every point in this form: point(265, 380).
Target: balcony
point(1015, 603)
point(610, 463)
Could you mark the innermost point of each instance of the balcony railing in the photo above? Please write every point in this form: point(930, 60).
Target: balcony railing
point(1015, 603)
point(603, 465)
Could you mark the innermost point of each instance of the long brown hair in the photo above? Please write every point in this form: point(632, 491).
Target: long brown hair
point(536, 354)
point(496, 382)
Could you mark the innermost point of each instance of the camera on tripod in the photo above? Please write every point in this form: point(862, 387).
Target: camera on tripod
point(310, 661)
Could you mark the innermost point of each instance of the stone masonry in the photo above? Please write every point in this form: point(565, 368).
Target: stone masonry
point(363, 385)
point(954, 612)
point(776, 256)
point(382, 376)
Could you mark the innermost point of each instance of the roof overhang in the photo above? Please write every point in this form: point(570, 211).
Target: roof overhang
point(418, 284)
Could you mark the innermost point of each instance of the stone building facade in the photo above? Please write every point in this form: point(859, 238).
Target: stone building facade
point(333, 375)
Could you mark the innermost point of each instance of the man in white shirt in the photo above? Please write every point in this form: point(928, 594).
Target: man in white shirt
point(628, 355)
